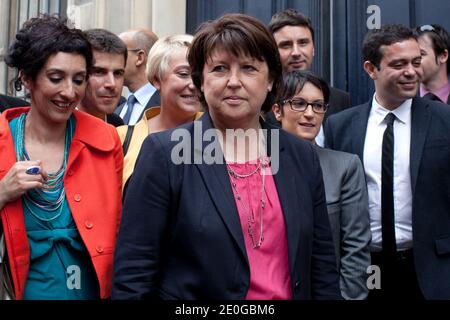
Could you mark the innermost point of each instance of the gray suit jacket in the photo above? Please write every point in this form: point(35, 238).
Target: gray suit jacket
point(348, 211)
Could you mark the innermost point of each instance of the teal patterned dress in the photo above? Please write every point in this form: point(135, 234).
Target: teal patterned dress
point(60, 265)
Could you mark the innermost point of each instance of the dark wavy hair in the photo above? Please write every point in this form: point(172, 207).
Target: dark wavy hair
point(42, 37)
point(238, 34)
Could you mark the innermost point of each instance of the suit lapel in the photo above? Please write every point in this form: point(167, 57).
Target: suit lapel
point(359, 127)
point(154, 101)
point(217, 182)
point(420, 121)
point(122, 103)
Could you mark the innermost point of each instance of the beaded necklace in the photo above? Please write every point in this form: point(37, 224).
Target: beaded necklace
point(250, 217)
point(51, 197)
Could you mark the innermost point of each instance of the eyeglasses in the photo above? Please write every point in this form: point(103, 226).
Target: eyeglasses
point(300, 105)
point(135, 50)
point(430, 28)
point(427, 27)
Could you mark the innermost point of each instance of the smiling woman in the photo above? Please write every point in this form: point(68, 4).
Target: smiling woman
point(300, 109)
point(169, 71)
point(58, 88)
point(41, 210)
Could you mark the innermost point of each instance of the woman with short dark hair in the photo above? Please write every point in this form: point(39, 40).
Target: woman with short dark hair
point(300, 108)
point(209, 213)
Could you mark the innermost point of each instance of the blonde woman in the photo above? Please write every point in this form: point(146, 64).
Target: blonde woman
point(169, 71)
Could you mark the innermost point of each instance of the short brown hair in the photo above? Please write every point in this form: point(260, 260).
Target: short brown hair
point(105, 41)
point(385, 36)
point(239, 34)
point(290, 17)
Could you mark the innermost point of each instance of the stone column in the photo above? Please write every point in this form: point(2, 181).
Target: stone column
point(164, 17)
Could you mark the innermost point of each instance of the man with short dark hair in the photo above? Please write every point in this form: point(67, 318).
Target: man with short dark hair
point(434, 42)
point(143, 95)
point(294, 35)
point(403, 142)
point(105, 82)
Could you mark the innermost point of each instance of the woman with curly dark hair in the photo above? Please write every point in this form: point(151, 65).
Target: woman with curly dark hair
point(61, 171)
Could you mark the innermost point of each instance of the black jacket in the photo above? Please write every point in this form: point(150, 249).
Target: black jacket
point(180, 235)
point(7, 102)
point(430, 183)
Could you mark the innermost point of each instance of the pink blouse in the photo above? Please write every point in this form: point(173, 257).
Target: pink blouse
point(269, 266)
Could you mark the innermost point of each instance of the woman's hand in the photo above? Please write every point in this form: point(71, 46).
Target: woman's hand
point(16, 182)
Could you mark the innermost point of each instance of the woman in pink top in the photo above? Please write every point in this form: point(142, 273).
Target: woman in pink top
point(227, 207)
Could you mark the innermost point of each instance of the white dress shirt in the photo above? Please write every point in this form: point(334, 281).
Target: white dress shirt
point(320, 138)
point(143, 96)
point(402, 179)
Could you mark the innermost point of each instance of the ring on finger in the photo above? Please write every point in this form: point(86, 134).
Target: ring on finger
point(33, 170)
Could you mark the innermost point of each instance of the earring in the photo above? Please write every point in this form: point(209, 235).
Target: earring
point(18, 84)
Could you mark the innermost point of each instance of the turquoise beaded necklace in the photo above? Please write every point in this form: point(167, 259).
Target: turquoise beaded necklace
point(51, 197)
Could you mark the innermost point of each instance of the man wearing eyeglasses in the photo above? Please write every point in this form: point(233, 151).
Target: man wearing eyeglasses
point(142, 94)
point(404, 144)
point(434, 42)
point(294, 35)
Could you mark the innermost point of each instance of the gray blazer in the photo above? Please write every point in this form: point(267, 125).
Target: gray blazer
point(348, 211)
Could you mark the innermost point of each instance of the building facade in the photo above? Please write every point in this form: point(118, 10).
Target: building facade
point(340, 25)
point(164, 17)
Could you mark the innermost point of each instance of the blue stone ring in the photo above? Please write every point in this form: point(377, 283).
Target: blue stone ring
point(33, 170)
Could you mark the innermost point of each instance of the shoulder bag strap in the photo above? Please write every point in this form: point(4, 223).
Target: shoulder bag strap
point(126, 142)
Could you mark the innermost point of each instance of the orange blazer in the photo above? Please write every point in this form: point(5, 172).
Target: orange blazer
point(93, 184)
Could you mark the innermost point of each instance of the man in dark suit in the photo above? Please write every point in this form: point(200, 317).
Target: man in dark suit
point(105, 82)
point(434, 42)
point(10, 102)
point(294, 35)
point(404, 143)
point(142, 94)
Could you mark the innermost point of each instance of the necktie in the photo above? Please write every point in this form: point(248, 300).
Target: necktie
point(387, 193)
point(432, 96)
point(130, 105)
